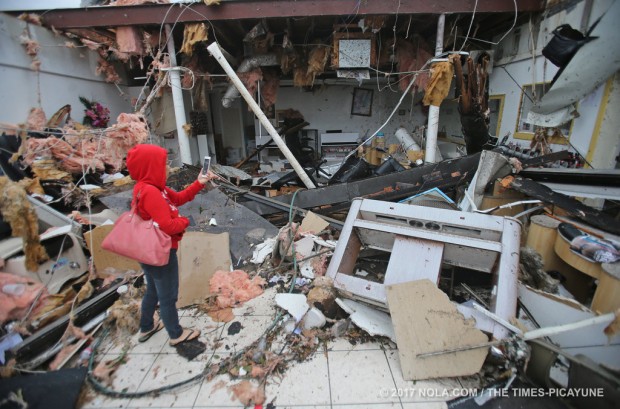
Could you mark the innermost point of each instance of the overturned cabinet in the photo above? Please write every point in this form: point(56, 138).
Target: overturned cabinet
point(420, 239)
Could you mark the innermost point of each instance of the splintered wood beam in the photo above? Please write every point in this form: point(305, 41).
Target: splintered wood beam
point(98, 36)
point(158, 14)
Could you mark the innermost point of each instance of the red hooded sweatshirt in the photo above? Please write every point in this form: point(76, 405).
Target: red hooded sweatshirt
point(147, 166)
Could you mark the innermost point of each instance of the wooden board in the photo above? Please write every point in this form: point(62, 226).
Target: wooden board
point(414, 259)
point(425, 320)
point(102, 258)
point(489, 202)
point(200, 256)
point(541, 237)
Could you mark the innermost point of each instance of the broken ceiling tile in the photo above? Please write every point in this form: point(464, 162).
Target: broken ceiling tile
point(306, 269)
point(426, 321)
point(200, 256)
point(304, 247)
point(367, 318)
point(263, 250)
point(294, 304)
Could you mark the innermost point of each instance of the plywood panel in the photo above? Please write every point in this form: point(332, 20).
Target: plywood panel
point(200, 256)
point(425, 320)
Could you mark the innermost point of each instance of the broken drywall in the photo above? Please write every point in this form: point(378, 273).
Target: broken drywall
point(200, 256)
point(369, 319)
point(425, 320)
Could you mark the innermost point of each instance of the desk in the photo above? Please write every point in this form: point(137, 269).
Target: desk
point(543, 234)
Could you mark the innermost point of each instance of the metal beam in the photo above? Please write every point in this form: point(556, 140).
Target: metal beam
point(234, 10)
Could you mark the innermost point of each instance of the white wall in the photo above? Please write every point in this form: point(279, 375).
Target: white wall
point(529, 66)
point(329, 108)
point(65, 75)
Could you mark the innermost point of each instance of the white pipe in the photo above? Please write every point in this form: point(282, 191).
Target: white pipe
point(433, 112)
point(406, 140)
point(257, 61)
point(177, 101)
point(497, 319)
point(558, 329)
point(214, 49)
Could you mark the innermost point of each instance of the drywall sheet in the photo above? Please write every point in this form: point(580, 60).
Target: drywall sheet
point(200, 256)
point(425, 320)
point(102, 258)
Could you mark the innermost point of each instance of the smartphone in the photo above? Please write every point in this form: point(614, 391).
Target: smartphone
point(205, 165)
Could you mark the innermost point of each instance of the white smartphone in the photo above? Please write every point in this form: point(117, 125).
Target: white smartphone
point(205, 165)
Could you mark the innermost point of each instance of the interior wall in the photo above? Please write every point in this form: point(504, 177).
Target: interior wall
point(328, 108)
point(65, 75)
point(523, 63)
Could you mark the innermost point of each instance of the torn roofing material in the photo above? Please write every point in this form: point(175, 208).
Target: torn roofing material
point(572, 206)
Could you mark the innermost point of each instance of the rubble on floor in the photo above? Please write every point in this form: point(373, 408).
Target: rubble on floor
point(444, 288)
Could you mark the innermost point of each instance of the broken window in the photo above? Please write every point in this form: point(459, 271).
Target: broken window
point(496, 109)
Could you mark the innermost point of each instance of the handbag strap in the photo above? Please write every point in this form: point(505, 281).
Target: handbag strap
point(134, 203)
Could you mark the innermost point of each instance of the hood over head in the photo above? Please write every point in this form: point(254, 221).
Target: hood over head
point(147, 163)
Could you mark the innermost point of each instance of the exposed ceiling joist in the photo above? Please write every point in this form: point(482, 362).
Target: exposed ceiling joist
point(233, 10)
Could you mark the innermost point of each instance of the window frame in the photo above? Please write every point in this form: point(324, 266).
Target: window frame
point(527, 135)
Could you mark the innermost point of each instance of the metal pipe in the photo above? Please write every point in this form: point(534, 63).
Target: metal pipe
point(177, 101)
point(257, 61)
point(433, 111)
point(214, 49)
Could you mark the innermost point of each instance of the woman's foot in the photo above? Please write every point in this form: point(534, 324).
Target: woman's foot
point(187, 335)
point(144, 336)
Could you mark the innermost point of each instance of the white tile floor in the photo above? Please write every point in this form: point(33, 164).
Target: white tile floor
point(343, 376)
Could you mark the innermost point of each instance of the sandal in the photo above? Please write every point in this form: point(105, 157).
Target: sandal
point(145, 336)
point(187, 335)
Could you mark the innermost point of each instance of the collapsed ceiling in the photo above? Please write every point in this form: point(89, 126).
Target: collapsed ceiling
point(249, 28)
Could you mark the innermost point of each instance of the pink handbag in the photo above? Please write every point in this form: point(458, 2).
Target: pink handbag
point(138, 239)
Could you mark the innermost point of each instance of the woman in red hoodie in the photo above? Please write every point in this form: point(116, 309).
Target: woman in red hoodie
point(147, 165)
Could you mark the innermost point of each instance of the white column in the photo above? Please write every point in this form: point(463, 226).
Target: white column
point(214, 49)
point(433, 111)
point(177, 100)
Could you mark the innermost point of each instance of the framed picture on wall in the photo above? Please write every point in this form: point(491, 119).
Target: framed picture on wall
point(362, 102)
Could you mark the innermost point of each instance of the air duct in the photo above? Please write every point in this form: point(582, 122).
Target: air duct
point(264, 60)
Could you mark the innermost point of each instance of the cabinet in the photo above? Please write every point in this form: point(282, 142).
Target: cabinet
point(336, 146)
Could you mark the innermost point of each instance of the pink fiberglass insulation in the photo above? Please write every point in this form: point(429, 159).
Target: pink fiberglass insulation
point(412, 58)
point(72, 159)
point(233, 288)
point(250, 79)
point(17, 295)
point(129, 131)
point(36, 120)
